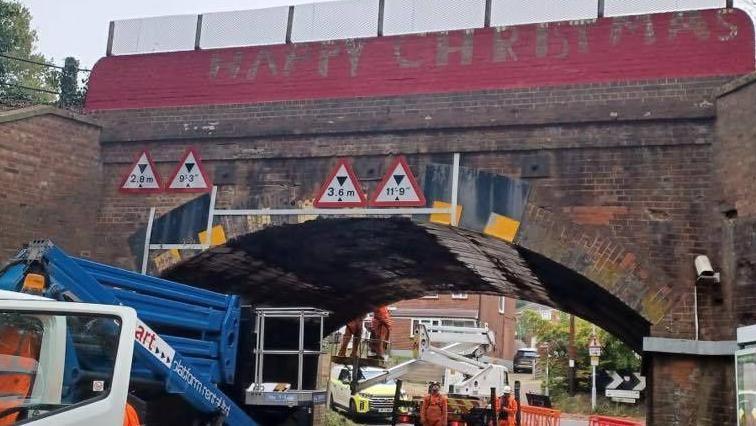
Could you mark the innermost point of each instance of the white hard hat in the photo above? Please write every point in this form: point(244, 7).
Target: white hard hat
point(507, 389)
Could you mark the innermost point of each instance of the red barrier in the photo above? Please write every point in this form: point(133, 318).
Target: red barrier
point(537, 416)
point(610, 421)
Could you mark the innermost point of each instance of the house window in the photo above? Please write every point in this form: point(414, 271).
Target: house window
point(431, 296)
point(502, 304)
point(459, 295)
point(447, 322)
point(425, 321)
point(459, 322)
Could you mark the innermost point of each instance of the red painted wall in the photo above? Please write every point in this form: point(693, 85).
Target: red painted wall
point(691, 44)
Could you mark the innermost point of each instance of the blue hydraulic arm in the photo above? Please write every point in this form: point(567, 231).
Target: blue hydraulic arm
point(74, 279)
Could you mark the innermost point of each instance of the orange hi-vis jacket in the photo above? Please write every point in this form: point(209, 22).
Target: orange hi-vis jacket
point(19, 353)
point(381, 316)
point(508, 408)
point(131, 418)
point(434, 410)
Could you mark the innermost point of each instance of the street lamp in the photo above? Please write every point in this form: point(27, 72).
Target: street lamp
point(594, 350)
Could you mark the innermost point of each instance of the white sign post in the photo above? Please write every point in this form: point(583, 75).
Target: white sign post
point(594, 350)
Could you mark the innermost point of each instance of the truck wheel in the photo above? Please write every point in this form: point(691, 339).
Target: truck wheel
point(352, 408)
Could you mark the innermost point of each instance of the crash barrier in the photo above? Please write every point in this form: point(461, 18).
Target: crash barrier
point(538, 416)
point(610, 421)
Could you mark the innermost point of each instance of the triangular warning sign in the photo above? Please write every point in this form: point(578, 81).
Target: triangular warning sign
point(190, 176)
point(398, 188)
point(142, 176)
point(341, 189)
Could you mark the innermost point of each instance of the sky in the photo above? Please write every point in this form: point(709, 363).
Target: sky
point(79, 28)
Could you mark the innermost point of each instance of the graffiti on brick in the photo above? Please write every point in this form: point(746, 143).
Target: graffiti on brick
point(600, 258)
point(561, 40)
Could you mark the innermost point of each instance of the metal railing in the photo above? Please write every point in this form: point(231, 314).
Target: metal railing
point(365, 18)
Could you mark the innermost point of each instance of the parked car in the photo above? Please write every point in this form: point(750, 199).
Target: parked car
point(375, 401)
point(523, 360)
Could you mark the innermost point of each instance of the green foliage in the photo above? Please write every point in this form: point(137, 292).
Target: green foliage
point(70, 93)
point(581, 404)
point(18, 39)
point(333, 418)
point(615, 354)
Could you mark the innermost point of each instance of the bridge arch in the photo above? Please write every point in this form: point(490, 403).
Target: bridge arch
point(352, 265)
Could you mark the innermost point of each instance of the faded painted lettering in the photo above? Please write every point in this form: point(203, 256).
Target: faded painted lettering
point(503, 44)
point(263, 55)
point(399, 56)
point(688, 21)
point(217, 62)
point(705, 43)
point(354, 50)
point(328, 50)
point(443, 49)
point(631, 24)
point(296, 54)
point(730, 27)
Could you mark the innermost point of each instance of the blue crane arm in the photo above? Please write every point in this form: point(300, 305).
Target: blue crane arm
point(213, 316)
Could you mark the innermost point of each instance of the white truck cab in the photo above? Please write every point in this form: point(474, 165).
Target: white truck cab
point(41, 383)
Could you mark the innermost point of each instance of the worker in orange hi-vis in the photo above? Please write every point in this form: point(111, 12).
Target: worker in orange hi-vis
point(19, 354)
point(435, 407)
point(353, 332)
point(381, 330)
point(509, 406)
point(131, 418)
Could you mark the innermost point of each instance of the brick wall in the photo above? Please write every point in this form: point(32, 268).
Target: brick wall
point(735, 162)
point(691, 391)
point(502, 324)
point(332, 122)
point(626, 159)
point(630, 161)
point(49, 180)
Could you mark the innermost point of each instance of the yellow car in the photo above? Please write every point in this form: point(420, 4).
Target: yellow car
point(375, 401)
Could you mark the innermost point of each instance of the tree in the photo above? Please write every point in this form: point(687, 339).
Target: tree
point(70, 93)
point(615, 354)
point(18, 40)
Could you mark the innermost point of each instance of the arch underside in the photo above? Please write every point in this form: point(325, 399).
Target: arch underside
point(350, 266)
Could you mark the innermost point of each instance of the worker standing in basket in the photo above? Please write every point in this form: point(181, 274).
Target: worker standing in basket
point(381, 330)
point(509, 407)
point(353, 332)
point(435, 406)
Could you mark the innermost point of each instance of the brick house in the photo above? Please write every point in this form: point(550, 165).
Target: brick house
point(456, 309)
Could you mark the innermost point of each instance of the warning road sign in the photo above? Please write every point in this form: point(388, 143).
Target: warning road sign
point(190, 176)
point(398, 188)
point(341, 189)
point(142, 176)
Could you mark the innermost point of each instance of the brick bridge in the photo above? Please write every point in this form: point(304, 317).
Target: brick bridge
point(618, 148)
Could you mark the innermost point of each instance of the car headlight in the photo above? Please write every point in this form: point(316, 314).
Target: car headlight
point(364, 395)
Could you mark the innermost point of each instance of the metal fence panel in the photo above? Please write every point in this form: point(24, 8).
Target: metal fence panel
point(335, 20)
point(417, 16)
point(244, 28)
point(639, 7)
point(513, 12)
point(151, 35)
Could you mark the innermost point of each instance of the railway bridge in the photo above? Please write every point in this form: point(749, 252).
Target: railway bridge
point(579, 164)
